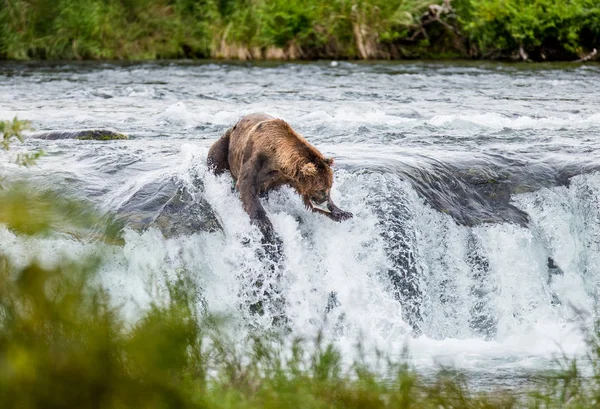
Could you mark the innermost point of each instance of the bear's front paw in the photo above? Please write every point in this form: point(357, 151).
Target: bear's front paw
point(340, 216)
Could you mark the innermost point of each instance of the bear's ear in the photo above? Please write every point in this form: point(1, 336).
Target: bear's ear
point(308, 169)
point(329, 161)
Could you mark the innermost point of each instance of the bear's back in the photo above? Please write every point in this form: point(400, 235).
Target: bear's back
point(273, 139)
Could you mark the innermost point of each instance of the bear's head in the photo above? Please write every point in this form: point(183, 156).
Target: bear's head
point(314, 183)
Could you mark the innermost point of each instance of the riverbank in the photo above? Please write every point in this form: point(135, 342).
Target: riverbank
point(540, 30)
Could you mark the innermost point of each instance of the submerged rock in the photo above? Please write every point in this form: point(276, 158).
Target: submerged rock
point(480, 190)
point(171, 207)
point(83, 135)
point(184, 214)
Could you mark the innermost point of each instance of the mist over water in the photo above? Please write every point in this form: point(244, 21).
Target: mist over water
point(475, 188)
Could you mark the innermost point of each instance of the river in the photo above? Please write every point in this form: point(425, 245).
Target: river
point(475, 240)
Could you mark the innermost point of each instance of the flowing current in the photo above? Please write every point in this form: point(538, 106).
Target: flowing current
point(475, 240)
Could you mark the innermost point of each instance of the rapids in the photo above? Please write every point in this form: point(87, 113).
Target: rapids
point(475, 240)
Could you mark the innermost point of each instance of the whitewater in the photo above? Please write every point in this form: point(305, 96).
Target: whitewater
point(475, 240)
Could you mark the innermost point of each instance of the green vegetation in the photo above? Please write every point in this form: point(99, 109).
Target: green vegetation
point(544, 29)
point(101, 135)
point(13, 131)
point(295, 29)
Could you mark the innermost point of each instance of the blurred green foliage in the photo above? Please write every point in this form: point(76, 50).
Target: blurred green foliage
point(62, 345)
point(13, 131)
point(153, 29)
point(30, 210)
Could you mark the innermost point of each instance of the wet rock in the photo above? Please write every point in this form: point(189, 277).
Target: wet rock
point(171, 207)
point(185, 214)
point(480, 190)
point(140, 210)
point(393, 211)
point(482, 320)
point(83, 135)
point(553, 270)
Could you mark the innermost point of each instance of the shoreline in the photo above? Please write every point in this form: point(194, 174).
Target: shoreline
point(268, 62)
point(143, 30)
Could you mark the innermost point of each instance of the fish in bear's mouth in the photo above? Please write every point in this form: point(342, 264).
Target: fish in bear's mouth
point(320, 206)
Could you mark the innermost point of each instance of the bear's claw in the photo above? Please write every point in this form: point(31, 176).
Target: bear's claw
point(341, 215)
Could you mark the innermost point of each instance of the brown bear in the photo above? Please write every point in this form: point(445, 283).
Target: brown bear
point(263, 153)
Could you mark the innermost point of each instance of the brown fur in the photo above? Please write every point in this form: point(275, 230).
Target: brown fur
point(263, 153)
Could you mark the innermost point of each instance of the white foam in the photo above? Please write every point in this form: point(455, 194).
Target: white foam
point(498, 121)
point(323, 257)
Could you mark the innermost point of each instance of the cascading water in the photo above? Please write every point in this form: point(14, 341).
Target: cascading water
point(476, 230)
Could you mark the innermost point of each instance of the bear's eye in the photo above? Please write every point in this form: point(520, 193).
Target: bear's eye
point(321, 196)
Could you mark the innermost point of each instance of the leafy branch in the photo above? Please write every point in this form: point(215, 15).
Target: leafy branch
point(13, 131)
